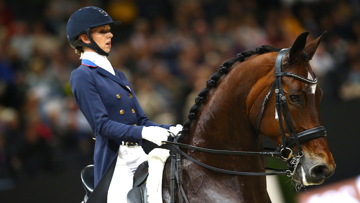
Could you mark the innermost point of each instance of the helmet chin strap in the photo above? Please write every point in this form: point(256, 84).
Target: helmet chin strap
point(92, 45)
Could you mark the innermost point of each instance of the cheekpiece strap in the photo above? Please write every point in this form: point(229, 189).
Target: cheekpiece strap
point(279, 60)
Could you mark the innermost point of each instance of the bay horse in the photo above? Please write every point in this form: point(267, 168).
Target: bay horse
point(266, 92)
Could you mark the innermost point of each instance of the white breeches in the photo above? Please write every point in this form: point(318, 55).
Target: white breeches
point(129, 158)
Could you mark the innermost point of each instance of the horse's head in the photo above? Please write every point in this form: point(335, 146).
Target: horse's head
point(302, 96)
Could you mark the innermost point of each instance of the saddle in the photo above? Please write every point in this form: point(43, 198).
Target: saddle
point(136, 195)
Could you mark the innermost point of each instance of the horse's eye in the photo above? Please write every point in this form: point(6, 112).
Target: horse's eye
point(295, 98)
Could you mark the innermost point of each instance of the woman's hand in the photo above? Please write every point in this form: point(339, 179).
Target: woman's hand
point(175, 130)
point(155, 134)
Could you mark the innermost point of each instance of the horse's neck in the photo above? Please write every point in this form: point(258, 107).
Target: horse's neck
point(222, 124)
point(208, 186)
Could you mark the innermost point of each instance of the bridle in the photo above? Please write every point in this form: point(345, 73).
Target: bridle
point(283, 109)
point(283, 152)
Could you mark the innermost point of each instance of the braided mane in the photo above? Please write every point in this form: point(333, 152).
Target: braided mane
point(212, 83)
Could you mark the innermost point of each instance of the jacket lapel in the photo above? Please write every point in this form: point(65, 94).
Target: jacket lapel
point(112, 77)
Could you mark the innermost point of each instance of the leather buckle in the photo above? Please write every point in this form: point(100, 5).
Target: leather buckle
point(129, 144)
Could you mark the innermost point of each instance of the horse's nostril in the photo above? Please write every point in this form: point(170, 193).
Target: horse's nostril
point(319, 171)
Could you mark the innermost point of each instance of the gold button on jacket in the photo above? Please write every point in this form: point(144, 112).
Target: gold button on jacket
point(130, 95)
point(133, 110)
point(118, 96)
point(121, 112)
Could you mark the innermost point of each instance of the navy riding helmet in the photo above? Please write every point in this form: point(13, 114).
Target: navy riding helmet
point(82, 21)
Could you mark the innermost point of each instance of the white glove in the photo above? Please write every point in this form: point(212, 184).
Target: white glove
point(175, 129)
point(155, 134)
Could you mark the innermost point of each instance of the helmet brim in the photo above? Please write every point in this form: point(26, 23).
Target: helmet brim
point(115, 23)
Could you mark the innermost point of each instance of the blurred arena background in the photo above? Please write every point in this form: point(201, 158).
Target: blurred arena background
point(168, 49)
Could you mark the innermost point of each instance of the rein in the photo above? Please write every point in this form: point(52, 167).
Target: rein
point(281, 171)
point(284, 151)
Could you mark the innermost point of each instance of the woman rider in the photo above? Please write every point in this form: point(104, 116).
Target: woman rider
point(106, 98)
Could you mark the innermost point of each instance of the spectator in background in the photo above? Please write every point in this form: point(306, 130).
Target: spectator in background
point(6, 22)
point(22, 41)
point(322, 63)
point(6, 179)
point(350, 89)
point(10, 141)
point(36, 152)
point(124, 11)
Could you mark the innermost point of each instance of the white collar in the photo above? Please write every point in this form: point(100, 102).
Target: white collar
point(100, 60)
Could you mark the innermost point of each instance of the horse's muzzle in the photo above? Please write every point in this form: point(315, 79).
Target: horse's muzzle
point(318, 173)
point(313, 171)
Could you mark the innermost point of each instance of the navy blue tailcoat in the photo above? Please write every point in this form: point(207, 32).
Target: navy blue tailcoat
point(112, 110)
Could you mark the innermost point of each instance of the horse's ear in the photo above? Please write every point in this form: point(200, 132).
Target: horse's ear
point(298, 47)
point(310, 49)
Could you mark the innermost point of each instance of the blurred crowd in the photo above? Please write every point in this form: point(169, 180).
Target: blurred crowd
point(168, 49)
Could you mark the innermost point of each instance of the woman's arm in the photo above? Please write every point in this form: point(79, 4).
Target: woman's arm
point(90, 104)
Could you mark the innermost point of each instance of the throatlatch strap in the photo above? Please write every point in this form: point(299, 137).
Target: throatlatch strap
point(264, 105)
